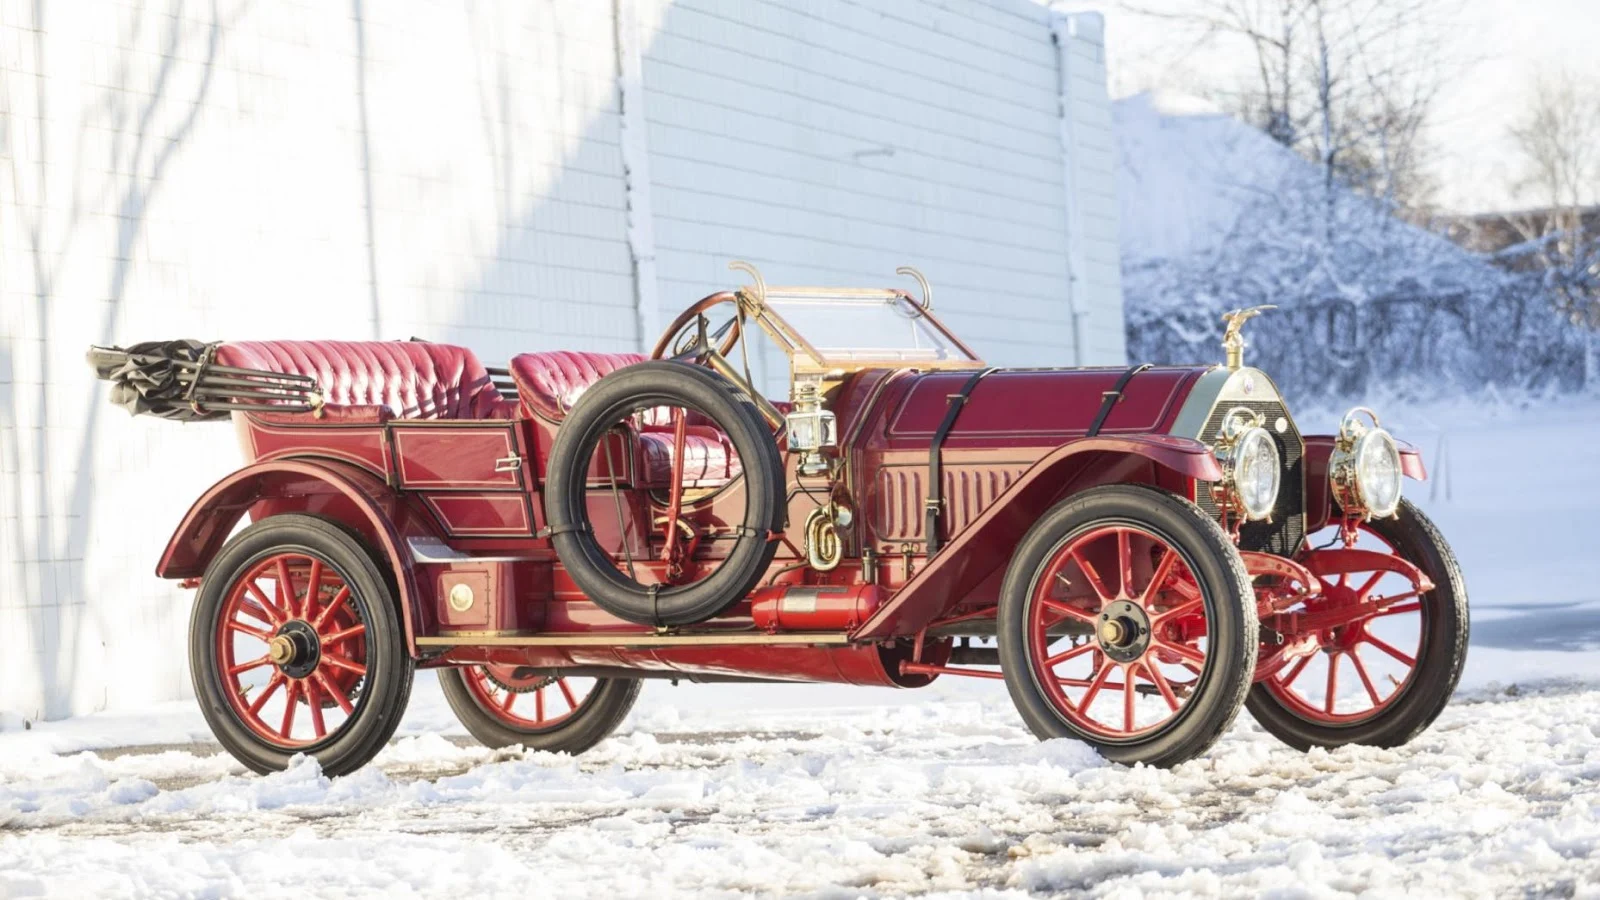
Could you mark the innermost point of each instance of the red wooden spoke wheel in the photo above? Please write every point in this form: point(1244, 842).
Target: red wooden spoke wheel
point(528, 702)
point(506, 705)
point(292, 649)
point(1377, 651)
point(1382, 671)
point(1127, 620)
point(1147, 642)
point(296, 646)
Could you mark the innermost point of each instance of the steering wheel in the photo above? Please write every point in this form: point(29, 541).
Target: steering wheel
point(688, 338)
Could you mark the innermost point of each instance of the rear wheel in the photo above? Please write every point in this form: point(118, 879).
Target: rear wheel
point(295, 646)
point(1127, 621)
point(1381, 680)
point(504, 706)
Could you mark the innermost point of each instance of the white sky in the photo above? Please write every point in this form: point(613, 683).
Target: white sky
point(1507, 43)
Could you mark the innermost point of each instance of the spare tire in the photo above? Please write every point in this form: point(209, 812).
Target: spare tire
point(612, 399)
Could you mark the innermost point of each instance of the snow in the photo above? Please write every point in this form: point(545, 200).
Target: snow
point(1216, 216)
point(729, 790)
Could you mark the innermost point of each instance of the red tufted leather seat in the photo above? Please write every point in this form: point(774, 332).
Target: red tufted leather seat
point(411, 379)
point(550, 382)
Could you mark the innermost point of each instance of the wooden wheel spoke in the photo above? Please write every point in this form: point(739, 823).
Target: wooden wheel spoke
point(538, 704)
point(1094, 688)
point(286, 587)
point(1192, 654)
point(1367, 586)
point(313, 587)
point(332, 607)
point(508, 701)
point(344, 635)
point(1125, 563)
point(273, 615)
point(341, 662)
point(288, 709)
point(275, 682)
point(1333, 683)
point(1294, 671)
point(1093, 576)
point(1387, 648)
point(1128, 695)
point(256, 633)
point(246, 666)
point(1159, 577)
point(566, 691)
point(1068, 610)
point(1366, 682)
point(337, 695)
point(314, 703)
point(1162, 685)
point(1187, 608)
point(1068, 653)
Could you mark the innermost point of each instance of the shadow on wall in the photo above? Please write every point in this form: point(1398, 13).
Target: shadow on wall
point(147, 133)
point(559, 273)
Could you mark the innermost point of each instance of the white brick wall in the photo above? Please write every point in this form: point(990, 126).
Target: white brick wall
point(303, 169)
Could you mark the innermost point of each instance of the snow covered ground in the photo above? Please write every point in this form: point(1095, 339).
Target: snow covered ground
point(839, 792)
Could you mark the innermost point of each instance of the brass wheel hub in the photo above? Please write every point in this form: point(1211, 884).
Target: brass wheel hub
point(281, 650)
point(295, 649)
point(1123, 631)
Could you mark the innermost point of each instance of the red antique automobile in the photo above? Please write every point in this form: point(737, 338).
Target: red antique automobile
point(1136, 553)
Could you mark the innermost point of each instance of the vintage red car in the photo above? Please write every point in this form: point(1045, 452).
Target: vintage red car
point(1136, 553)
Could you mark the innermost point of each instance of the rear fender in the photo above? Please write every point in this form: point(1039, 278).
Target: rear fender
point(343, 493)
point(1319, 449)
point(986, 545)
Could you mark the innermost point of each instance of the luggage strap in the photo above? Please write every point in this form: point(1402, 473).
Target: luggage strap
point(935, 503)
point(1111, 397)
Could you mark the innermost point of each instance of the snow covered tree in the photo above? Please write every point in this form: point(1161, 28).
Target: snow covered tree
point(1559, 140)
point(1347, 84)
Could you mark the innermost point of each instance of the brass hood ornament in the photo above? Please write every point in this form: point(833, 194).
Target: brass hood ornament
point(1233, 342)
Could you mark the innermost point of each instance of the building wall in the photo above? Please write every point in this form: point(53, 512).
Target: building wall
point(495, 174)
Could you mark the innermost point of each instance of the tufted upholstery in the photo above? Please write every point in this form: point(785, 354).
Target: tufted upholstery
point(709, 459)
point(412, 379)
point(550, 382)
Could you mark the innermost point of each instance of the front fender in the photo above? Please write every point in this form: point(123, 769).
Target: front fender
point(1319, 448)
point(973, 555)
point(336, 490)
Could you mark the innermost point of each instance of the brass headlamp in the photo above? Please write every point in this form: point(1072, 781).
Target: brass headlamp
point(1251, 466)
point(1364, 470)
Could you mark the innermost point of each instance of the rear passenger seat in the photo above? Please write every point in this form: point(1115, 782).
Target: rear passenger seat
point(382, 379)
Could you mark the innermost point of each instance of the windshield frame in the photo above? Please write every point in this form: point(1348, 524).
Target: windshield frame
point(806, 358)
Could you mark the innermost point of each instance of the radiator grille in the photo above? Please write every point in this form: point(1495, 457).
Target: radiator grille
point(1283, 534)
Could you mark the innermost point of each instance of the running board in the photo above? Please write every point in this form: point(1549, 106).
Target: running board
point(590, 639)
point(433, 550)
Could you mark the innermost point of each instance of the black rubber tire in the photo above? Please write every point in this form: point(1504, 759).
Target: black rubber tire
point(1231, 620)
point(390, 667)
point(597, 716)
point(642, 386)
point(1443, 653)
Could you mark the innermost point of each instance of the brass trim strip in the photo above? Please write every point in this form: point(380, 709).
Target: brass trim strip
point(629, 640)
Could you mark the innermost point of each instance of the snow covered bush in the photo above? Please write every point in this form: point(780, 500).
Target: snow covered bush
point(1216, 215)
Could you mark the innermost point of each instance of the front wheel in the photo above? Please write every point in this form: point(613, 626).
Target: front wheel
point(1383, 679)
point(505, 706)
point(1127, 621)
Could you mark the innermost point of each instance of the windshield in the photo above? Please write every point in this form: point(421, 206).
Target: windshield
point(842, 327)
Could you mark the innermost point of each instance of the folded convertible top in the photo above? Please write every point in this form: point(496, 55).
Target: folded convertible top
point(179, 380)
